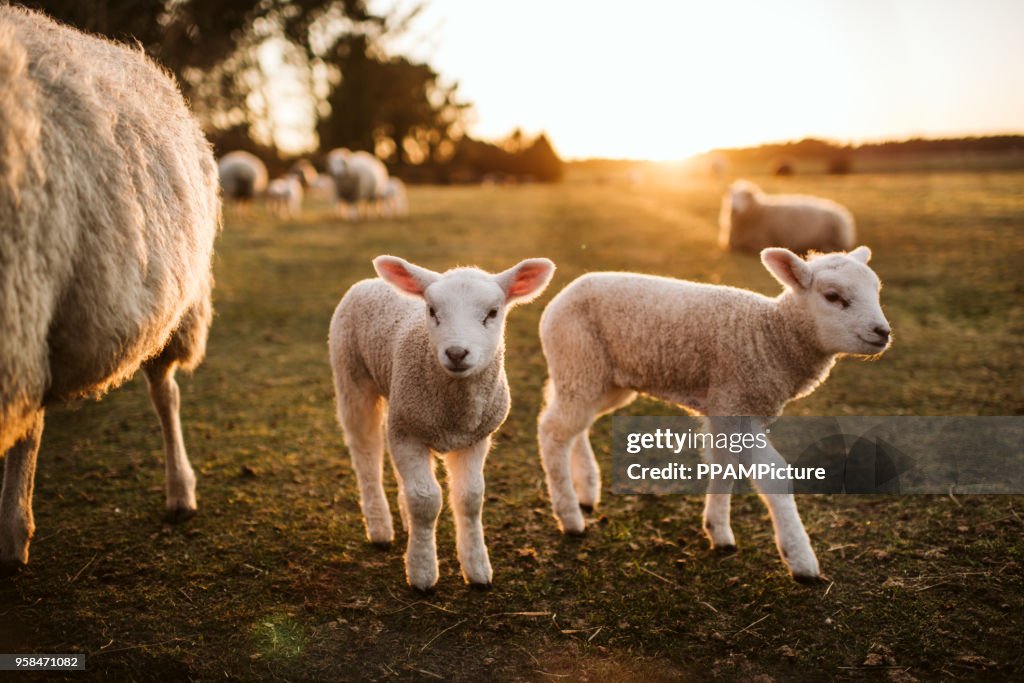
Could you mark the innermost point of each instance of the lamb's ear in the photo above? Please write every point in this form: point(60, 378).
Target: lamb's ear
point(788, 268)
point(404, 276)
point(526, 280)
point(740, 198)
point(861, 253)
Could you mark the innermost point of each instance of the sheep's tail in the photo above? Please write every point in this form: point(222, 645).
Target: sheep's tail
point(23, 362)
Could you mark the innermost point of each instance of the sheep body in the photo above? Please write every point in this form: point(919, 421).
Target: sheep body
point(715, 350)
point(243, 176)
point(109, 208)
point(431, 367)
point(360, 179)
point(751, 220)
point(284, 196)
point(394, 200)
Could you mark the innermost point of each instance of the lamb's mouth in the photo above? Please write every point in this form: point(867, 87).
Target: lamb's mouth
point(876, 344)
point(456, 369)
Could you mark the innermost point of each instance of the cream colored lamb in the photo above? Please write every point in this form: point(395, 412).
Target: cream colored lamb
point(715, 350)
point(108, 213)
point(242, 176)
point(284, 196)
point(424, 352)
point(751, 220)
point(360, 181)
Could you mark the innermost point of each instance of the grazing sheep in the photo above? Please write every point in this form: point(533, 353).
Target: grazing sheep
point(322, 188)
point(284, 196)
point(304, 171)
point(242, 176)
point(360, 180)
point(109, 208)
point(394, 201)
point(428, 349)
point(715, 350)
point(751, 221)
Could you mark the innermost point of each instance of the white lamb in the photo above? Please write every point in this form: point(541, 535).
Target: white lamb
point(360, 180)
point(242, 176)
point(394, 201)
point(715, 350)
point(284, 196)
point(428, 350)
point(109, 208)
point(751, 220)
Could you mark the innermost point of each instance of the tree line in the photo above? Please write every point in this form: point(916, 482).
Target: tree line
point(362, 93)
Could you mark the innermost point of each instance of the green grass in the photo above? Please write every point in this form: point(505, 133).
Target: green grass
point(274, 579)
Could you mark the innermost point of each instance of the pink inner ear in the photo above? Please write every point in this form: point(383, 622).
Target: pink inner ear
point(528, 278)
point(400, 277)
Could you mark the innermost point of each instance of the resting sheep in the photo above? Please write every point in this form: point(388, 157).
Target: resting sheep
point(242, 176)
point(284, 196)
point(428, 350)
point(360, 180)
point(109, 208)
point(751, 220)
point(715, 350)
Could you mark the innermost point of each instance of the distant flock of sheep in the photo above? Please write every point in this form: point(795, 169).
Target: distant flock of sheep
point(357, 182)
point(105, 267)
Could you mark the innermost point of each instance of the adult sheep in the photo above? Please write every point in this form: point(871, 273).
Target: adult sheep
point(242, 176)
point(108, 213)
point(360, 180)
point(751, 220)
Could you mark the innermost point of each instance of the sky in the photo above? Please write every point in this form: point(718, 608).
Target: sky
point(662, 80)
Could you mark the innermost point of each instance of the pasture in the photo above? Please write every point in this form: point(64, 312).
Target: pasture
point(273, 578)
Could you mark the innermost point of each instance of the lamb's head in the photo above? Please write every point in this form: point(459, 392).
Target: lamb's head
point(743, 196)
point(839, 293)
point(465, 308)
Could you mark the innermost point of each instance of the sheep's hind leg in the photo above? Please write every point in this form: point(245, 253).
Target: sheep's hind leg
point(717, 525)
point(361, 416)
point(466, 484)
point(586, 473)
point(16, 523)
point(415, 467)
point(166, 399)
point(559, 425)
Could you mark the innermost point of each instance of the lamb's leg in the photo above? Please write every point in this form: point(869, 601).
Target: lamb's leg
point(415, 467)
point(716, 506)
point(166, 398)
point(560, 424)
point(361, 415)
point(466, 485)
point(790, 536)
point(16, 523)
point(586, 473)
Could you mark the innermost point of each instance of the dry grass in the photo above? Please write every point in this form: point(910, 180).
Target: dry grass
point(274, 580)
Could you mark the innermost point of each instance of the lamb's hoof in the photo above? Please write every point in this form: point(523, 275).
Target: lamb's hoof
point(381, 545)
point(179, 514)
point(728, 549)
point(587, 508)
point(430, 590)
point(11, 567)
point(483, 587)
point(810, 579)
point(575, 533)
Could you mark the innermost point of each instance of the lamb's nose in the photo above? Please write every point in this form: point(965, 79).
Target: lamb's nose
point(882, 332)
point(456, 354)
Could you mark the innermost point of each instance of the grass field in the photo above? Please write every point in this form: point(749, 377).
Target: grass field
point(273, 579)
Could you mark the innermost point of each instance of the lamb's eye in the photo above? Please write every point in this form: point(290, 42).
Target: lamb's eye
point(492, 314)
point(432, 312)
point(835, 298)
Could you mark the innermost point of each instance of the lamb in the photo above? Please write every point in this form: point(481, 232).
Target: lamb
point(714, 350)
point(360, 180)
point(284, 196)
point(394, 202)
point(109, 207)
point(242, 176)
point(751, 220)
point(426, 350)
